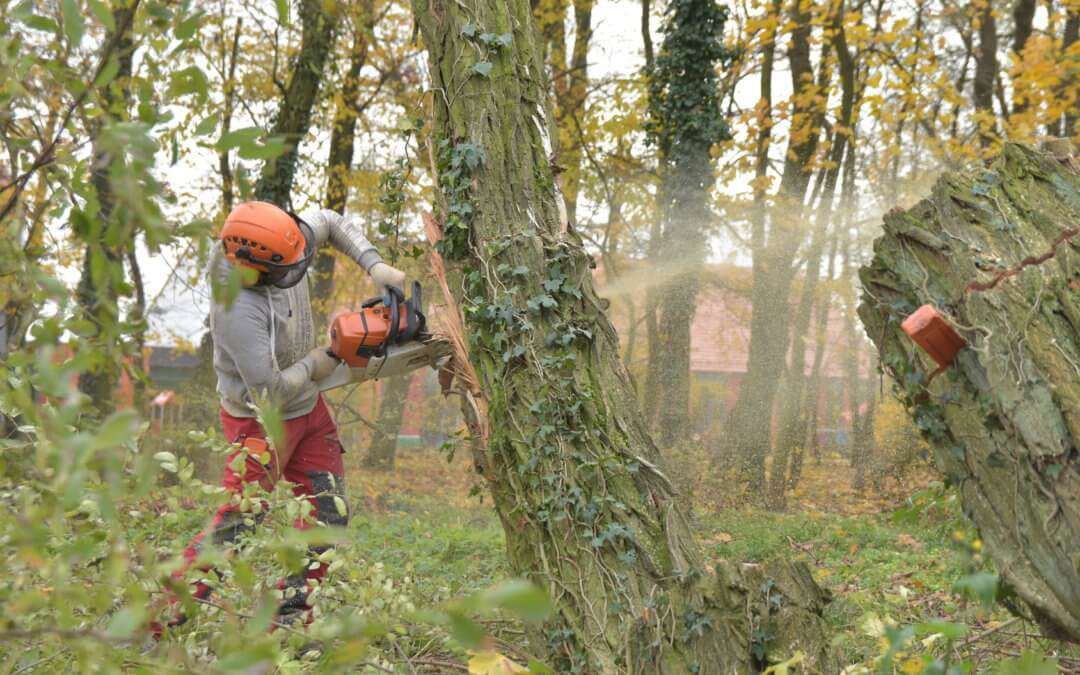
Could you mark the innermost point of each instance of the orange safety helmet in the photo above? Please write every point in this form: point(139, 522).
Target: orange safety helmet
point(269, 239)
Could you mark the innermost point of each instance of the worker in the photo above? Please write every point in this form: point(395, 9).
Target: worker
point(265, 351)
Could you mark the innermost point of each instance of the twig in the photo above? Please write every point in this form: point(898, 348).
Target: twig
point(987, 633)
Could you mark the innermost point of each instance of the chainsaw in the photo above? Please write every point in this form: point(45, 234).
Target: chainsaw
point(387, 337)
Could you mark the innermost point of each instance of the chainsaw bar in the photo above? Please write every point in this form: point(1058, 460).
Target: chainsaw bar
point(398, 360)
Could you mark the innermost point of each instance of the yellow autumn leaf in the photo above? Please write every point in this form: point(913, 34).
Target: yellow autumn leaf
point(492, 663)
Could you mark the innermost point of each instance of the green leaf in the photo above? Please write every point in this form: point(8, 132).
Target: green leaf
point(518, 597)
point(1028, 663)
point(124, 623)
point(238, 137)
point(188, 26)
point(272, 147)
point(465, 630)
point(482, 68)
point(108, 73)
point(948, 629)
point(207, 126)
point(42, 23)
point(74, 24)
point(115, 430)
point(190, 80)
point(981, 586)
point(469, 29)
point(102, 14)
point(282, 11)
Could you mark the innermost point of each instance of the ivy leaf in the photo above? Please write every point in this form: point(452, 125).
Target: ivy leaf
point(74, 24)
point(469, 29)
point(482, 68)
point(981, 586)
point(505, 39)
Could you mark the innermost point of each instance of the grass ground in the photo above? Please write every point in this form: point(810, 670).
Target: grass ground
point(885, 562)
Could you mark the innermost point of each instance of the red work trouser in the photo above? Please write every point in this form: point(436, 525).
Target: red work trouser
point(311, 460)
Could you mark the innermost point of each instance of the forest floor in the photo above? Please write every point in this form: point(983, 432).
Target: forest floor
point(891, 556)
point(896, 559)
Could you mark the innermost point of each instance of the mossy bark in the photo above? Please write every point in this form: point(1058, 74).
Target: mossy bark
point(1004, 419)
point(576, 480)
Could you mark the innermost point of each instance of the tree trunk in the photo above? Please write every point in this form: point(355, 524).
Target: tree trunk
point(749, 426)
point(100, 283)
point(339, 162)
point(383, 450)
point(986, 68)
point(1004, 419)
point(684, 123)
point(1072, 32)
point(587, 510)
point(793, 410)
point(294, 113)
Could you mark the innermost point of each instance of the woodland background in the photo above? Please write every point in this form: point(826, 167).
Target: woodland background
point(725, 165)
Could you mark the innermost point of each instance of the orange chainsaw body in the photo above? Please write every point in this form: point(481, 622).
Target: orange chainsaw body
point(355, 337)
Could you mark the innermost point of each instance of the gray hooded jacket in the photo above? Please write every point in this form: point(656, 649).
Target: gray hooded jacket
point(261, 342)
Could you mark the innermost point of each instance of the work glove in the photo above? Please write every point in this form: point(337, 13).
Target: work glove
point(385, 275)
point(322, 363)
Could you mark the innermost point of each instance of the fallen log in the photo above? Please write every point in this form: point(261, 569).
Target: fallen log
point(996, 251)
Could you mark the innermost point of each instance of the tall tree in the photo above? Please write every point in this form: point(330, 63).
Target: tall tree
point(342, 147)
point(749, 425)
point(986, 70)
point(101, 282)
point(586, 507)
point(685, 122)
point(293, 118)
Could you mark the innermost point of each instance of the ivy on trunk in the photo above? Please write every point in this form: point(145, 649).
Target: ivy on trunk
point(576, 480)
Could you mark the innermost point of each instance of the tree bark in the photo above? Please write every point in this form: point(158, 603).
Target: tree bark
point(986, 68)
point(383, 450)
point(1072, 32)
point(294, 113)
point(1004, 419)
point(586, 507)
point(98, 292)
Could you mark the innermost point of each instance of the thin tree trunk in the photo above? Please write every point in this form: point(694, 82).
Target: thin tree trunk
point(98, 292)
point(294, 112)
point(986, 68)
point(684, 113)
point(229, 92)
point(646, 33)
point(1072, 32)
point(749, 427)
point(342, 146)
point(1023, 16)
point(383, 450)
point(587, 510)
point(814, 390)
